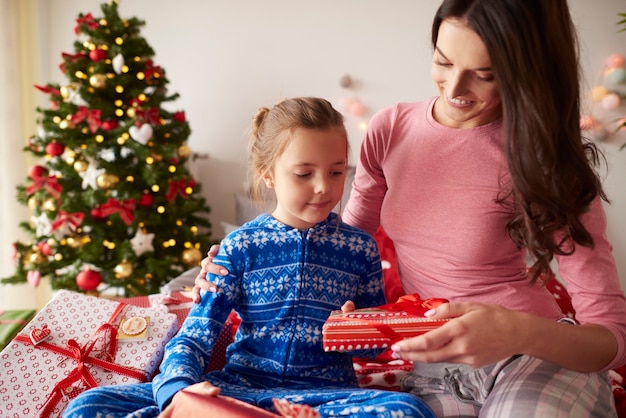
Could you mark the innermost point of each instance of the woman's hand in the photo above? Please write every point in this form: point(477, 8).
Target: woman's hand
point(208, 266)
point(203, 388)
point(478, 335)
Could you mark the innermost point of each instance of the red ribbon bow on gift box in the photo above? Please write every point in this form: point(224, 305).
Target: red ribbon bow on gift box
point(413, 304)
point(84, 356)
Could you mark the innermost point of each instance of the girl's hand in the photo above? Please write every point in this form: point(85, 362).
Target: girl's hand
point(477, 335)
point(208, 266)
point(348, 306)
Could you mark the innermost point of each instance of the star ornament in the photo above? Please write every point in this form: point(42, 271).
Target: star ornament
point(90, 175)
point(142, 242)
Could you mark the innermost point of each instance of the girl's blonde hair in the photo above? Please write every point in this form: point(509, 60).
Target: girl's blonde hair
point(271, 131)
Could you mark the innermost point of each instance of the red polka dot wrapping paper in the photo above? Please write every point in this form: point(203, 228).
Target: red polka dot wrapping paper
point(30, 374)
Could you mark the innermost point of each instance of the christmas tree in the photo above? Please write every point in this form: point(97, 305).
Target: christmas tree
point(112, 203)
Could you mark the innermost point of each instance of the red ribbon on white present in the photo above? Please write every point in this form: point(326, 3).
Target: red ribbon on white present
point(163, 301)
point(106, 334)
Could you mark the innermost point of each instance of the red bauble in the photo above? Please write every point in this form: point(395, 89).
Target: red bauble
point(54, 149)
point(88, 280)
point(97, 55)
point(146, 200)
point(37, 172)
point(109, 124)
point(45, 248)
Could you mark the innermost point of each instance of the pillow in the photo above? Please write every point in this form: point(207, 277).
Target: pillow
point(247, 208)
point(228, 227)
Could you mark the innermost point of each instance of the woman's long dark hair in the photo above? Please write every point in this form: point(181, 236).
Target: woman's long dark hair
point(533, 49)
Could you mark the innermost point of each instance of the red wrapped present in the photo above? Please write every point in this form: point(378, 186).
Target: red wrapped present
point(77, 342)
point(380, 327)
point(195, 405)
point(11, 322)
point(190, 404)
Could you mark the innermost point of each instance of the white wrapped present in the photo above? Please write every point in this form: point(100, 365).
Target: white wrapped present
point(77, 342)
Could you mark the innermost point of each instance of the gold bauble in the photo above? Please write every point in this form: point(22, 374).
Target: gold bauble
point(37, 258)
point(98, 80)
point(107, 181)
point(81, 166)
point(33, 203)
point(66, 91)
point(73, 241)
point(49, 205)
point(131, 112)
point(191, 257)
point(184, 151)
point(123, 270)
point(66, 124)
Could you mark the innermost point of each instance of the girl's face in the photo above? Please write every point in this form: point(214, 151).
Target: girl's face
point(308, 177)
point(461, 69)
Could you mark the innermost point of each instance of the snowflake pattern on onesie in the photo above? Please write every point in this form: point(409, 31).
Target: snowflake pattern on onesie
point(283, 283)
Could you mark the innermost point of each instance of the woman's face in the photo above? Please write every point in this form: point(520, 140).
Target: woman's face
point(461, 69)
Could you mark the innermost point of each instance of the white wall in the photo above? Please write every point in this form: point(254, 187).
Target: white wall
point(226, 58)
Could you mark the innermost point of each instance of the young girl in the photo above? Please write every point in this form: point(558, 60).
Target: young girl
point(288, 271)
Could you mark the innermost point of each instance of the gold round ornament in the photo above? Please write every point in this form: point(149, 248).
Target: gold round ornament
point(184, 151)
point(66, 91)
point(49, 205)
point(33, 203)
point(123, 270)
point(97, 80)
point(81, 166)
point(66, 124)
point(191, 257)
point(73, 241)
point(37, 258)
point(107, 181)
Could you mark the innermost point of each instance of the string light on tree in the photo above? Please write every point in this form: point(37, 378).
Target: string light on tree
point(110, 185)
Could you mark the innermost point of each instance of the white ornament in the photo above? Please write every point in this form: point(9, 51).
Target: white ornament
point(42, 224)
point(141, 135)
point(142, 242)
point(107, 155)
point(118, 63)
point(76, 98)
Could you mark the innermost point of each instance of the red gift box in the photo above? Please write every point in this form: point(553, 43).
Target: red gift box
point(189, 404)
point(195, 405)
point(73, 344)
point(380, 327)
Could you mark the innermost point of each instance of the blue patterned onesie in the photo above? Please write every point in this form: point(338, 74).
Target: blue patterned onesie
point(283, 283)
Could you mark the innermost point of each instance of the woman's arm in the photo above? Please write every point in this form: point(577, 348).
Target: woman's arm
point(482, 334)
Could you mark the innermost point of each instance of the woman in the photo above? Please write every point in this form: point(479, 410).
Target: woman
point(472, 184)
